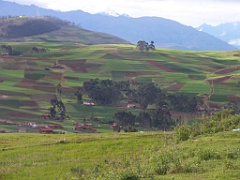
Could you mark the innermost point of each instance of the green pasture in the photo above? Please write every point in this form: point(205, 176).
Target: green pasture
point(106, 156)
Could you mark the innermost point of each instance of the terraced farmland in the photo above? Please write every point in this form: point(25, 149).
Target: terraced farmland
point(29, 81)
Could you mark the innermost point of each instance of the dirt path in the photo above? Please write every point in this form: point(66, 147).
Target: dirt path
point(208, 96)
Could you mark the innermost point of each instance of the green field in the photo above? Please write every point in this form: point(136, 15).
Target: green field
point(31, 78)
point(119, 156)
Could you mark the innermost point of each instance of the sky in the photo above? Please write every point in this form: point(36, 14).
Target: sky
point(189, 12)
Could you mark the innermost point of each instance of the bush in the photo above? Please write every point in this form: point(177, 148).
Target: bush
point(129, 176)
point(183, 133)
point(162, 165)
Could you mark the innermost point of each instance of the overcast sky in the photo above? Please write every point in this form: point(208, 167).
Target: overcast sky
point(188, 12)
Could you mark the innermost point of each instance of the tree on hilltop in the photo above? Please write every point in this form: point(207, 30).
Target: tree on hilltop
point(144, 46)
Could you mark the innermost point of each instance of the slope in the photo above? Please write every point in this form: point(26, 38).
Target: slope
point(49, 29)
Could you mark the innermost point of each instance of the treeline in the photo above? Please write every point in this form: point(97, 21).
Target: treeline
point(155, 104)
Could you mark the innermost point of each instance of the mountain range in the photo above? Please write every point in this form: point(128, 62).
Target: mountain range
point(164, 32)
point(229, 32)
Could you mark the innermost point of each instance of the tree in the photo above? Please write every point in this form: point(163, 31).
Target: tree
point(161, 118)
point(144, 46)
point(147, 94)
point(125, 119)
point(144, 119)
point(152, 46)
point(103, 91)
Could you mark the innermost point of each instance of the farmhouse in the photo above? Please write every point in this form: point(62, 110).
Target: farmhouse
point(86, 103)
point(33, 124)
point(131, 106)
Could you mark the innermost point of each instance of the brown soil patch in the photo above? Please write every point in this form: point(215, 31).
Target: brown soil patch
point(219, 80)
point(54, 76)
point(43, 97)
point(29, 103)
point(23, 115)
point(225, 71)
point(233, 98)
point(174, 58)
point(175, 87)
point(78, 65)
point(32, 84)
point(1, 80)
point(160, 66)
point(29, 83)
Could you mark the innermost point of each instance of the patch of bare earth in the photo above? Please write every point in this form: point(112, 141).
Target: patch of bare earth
point(229, 70)
point(175, 87)
point(233, 98)
point(1, 80)
point(78, 65)
point(174, 58)
point(23, 115)
point(26, 83)
point(29, 103)
point(160, 66)
point(219, 80)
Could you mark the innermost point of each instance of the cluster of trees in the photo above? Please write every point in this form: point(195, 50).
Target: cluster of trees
point(154, 103)
point(40, 50)
point(6, 49)
point(105, 92)
point(144, 46)
point(58, 107)
point(159, 118)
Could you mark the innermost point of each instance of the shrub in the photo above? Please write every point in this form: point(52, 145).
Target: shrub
point(162, 165)
point(183, 133)
point(129, 176)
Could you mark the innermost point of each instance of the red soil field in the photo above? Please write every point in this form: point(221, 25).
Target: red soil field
point(160, 66)
point(219, 80)
point(233, 98)
point(175, 87)
point(225, 71)
point(23, 115)
point(28, 103)
point(78, 65)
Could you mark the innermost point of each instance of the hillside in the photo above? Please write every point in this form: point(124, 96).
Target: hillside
point(153, 155)
point(164, 32)
point(49, 29)
point(31, 76)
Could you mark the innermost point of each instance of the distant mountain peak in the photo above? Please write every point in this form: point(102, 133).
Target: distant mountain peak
point(109, 12)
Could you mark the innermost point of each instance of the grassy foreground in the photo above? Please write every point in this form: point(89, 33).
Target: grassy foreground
point(142, 155)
